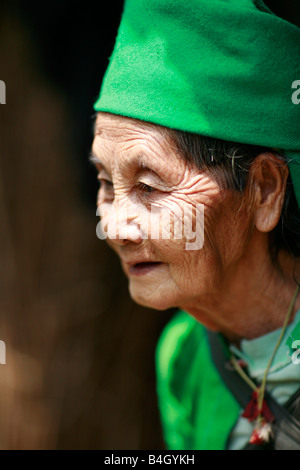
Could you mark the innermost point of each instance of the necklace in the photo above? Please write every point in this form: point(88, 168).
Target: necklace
point(258, 410)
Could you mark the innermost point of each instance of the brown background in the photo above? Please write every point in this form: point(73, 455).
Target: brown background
point(80, 353)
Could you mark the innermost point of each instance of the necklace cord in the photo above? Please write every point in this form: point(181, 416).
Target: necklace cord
point(243, 374)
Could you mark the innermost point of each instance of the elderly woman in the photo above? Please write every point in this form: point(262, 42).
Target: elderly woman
point(197, 118)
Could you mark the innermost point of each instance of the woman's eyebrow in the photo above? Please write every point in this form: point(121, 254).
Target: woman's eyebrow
point(140, 164)
point(136, 163)
point(95, 160)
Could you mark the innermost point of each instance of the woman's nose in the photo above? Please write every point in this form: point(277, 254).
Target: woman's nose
point(125, 233)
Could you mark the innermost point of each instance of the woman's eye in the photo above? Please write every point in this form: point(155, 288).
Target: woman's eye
point(105, 184)
point(145, 187)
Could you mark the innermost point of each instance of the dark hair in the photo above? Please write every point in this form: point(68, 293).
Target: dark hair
point(229, 164)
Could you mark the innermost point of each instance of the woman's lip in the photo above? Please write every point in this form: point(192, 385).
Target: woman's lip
point(142, 268)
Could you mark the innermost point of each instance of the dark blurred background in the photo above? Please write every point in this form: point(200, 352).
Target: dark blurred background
point(80, 353)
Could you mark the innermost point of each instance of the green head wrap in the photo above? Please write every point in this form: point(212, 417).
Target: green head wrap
point(228, 69)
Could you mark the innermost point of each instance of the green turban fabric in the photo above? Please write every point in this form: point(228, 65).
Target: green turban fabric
point(228, 69)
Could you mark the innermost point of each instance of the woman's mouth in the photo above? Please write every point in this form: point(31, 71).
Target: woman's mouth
point(140, 269)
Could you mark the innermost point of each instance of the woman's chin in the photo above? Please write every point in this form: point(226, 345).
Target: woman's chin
point(150, 298)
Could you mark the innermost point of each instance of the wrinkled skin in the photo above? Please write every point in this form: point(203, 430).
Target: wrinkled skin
point(229, 284)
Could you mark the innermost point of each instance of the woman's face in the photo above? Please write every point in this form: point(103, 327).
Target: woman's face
point(142, 179)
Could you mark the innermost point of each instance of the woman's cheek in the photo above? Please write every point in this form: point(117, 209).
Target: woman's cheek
point(178, 219)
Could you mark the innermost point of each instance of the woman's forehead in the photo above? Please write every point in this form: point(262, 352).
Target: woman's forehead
point(109, 125)
point(134, 138)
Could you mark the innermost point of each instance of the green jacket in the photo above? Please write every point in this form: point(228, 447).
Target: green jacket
point(197, 410)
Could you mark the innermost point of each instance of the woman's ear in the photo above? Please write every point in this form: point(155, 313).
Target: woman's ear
point(268, 175)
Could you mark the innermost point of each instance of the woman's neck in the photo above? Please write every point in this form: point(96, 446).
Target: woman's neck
point(253, 299)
